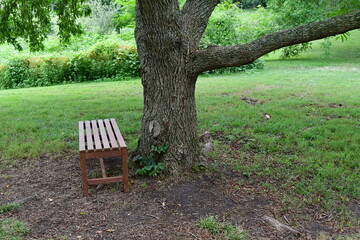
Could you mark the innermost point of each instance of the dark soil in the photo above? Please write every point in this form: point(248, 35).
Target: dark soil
point(53, 207)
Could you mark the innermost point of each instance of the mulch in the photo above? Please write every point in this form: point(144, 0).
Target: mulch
point(52, 205)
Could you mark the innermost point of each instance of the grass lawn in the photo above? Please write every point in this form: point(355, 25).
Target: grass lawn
point(308, 148)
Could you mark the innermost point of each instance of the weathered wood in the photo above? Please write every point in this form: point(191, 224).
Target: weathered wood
point(125, 169)
point(85, 183)
point(88, 132)
point(110, 133)
point(96, 135)
point(97, 181)
point(104, 137)
point(117, 132)
point(103, 171)
point(81, 137)
point(102, 154)
point(93, 145)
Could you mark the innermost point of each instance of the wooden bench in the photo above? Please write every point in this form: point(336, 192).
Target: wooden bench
point(100, 139)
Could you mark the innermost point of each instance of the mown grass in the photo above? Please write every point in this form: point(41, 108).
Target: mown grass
point(222, 230)
point(309, 147)
point(37, 121)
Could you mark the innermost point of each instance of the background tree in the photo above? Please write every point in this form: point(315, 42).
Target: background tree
point(168, 39)
point(102, 18)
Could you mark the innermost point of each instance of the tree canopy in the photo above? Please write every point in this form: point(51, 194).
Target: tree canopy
point(31, 20)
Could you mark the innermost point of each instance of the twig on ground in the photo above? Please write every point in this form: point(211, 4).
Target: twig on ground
point(153, 216)
point(193, 235)
point(280, 226)
point(286, 219)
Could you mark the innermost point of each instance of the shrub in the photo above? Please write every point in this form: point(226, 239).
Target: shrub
point(151, 165)
point(257, 64)
point(15, 73)
point(55, 71)
point(103, 61)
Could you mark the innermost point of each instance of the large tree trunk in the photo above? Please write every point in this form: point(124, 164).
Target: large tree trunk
point(169, 85)
point(169, 116)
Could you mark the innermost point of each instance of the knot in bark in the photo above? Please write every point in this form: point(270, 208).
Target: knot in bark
point(154, 128)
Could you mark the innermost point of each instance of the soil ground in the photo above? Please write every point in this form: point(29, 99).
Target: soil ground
point(53, 207)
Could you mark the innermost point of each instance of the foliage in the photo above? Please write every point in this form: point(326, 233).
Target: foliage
point(256, 65)
point(251, 3)
point(31, 21)
point(103, 61)
point(229, 25)
point(14, 74)
point(12, 229)
point(9, 208)
point(291, 13)
point(223, 230)
point(150, 165)
point(102, 18)
point(127, 14)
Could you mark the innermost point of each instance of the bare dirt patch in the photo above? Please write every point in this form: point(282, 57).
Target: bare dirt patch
point(251, 101)
point(52, 205)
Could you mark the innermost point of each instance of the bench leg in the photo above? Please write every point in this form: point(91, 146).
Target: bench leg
point(125, 169)
point(84, 177)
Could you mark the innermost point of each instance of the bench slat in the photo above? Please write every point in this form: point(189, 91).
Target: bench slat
point(96, 135)
point(104, 137)
point(89, 140)
point(81, 137)
point(119, 137)
point(114, 145)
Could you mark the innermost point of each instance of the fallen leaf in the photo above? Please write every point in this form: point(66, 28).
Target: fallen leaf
point(110, 230)
point(98, 232)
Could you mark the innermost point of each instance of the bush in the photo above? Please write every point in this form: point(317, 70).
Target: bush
point(104, 61)
point(14, 73)
point(257, 64)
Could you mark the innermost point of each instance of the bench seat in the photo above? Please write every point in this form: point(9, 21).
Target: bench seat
point(99, 139)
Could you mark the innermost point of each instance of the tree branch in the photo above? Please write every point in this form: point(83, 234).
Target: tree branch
point(194, 16)
point(219, 57)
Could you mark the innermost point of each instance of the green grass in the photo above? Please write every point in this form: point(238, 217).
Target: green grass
point(309, 147)
point(311, 143)
point(11, 229)
point(221, 230)
point(9, 208)
point(37, 121)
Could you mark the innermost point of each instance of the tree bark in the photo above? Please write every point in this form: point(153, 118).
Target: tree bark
point(167, 40)
point(169, 87)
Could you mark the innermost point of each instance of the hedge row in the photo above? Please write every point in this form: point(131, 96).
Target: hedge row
point(104, 61)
